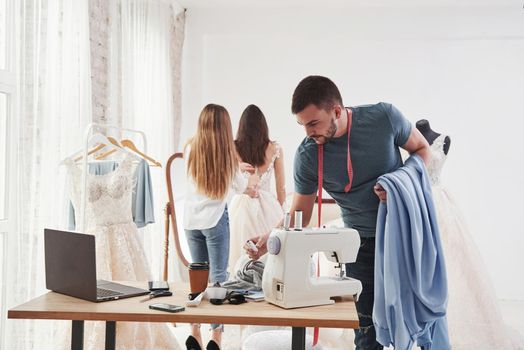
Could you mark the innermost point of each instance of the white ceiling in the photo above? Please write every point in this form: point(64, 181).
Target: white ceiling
point(517, 4)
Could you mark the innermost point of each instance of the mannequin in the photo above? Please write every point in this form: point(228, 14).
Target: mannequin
point(430, 135)
point(473, 314)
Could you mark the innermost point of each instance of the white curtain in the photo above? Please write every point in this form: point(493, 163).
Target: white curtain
point(145, 45)
point(55, 107)
point(55, 95)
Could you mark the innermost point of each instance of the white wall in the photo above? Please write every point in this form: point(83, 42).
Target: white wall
point(460, 67)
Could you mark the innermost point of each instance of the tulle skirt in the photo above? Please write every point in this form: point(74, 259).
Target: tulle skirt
point(250, 217)
point(474, 318)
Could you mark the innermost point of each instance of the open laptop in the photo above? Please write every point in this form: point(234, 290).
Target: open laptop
point(70, 268)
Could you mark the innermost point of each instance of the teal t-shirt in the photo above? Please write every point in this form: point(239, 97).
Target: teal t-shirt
point(377, 131)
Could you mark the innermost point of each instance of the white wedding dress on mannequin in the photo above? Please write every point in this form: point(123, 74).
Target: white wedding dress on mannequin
point(119, 252)
point(474, 318)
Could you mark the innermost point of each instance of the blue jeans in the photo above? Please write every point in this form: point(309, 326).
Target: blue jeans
point(364, 270)
point(212, 245)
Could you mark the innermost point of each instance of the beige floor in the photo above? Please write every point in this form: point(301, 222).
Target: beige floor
point(513, 312)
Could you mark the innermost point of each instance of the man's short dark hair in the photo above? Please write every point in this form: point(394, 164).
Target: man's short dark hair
point(317, 90)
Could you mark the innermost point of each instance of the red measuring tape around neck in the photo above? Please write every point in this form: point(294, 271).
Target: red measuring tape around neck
point(319, 195)
point(321, 167)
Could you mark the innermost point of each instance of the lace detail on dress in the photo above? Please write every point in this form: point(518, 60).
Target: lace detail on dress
point(437, 159)
point(109, 196)
point(265, 177)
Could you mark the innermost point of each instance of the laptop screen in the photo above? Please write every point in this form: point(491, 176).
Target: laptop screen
point(70, 263)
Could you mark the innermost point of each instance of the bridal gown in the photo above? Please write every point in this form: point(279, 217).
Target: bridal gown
point(249, 217)
point(474, 318)
point(119, 253)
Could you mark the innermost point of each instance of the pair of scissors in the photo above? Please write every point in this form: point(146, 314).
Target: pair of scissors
point(156, 294)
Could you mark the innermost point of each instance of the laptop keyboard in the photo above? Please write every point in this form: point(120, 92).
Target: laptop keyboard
point(104, 293)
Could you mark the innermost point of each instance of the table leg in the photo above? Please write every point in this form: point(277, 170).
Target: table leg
point(77, 335)
point(110, 335)
point(298, 338)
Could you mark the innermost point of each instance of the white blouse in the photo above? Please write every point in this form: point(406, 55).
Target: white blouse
point(202, 212)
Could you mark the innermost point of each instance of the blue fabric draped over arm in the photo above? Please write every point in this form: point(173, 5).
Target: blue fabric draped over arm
point(410, 273)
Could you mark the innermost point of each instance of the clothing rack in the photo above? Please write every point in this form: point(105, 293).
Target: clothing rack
point(87, 135)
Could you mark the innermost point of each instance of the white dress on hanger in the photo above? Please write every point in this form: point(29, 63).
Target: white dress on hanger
point(474, 319)
point(249, 217)
point(119, 252)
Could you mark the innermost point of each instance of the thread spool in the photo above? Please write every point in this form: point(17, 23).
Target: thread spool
point(287, 221)
point(298, 220)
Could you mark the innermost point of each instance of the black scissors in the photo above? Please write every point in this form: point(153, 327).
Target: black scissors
point(156, 294)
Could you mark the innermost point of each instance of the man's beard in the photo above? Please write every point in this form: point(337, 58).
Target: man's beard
point(322, 139)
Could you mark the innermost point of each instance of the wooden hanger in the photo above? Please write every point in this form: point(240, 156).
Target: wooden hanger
point(93, 150)
point(108, 153)
point(129, 144)
point(101, 141)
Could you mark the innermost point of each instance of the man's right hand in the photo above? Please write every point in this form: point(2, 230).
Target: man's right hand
point(260, 242)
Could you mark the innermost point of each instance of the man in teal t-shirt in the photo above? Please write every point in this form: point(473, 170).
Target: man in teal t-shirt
point(376, 133)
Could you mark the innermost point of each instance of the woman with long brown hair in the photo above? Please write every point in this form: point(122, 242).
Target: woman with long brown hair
point(251, 216)
point(211, 168)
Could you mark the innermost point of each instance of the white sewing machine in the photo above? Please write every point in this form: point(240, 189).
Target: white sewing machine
point(287, 280)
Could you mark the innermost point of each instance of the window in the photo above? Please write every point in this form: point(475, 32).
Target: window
point(3, 34)
point(3, 153)
point(7, 90)
point(3, 286)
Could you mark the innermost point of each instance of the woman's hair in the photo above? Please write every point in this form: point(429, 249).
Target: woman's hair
point(252, 136)
point(212, 161)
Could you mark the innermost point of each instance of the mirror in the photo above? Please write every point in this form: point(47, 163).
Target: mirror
point(176, 183)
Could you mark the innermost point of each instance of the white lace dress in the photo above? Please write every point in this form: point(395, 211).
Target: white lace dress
point(249, 217)
point(119, 252)
point(474, 318)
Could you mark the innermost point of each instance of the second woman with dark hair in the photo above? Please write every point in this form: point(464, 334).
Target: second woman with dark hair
point(253, 216)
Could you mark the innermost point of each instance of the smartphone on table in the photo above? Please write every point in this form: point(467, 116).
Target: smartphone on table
point(167, 307)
